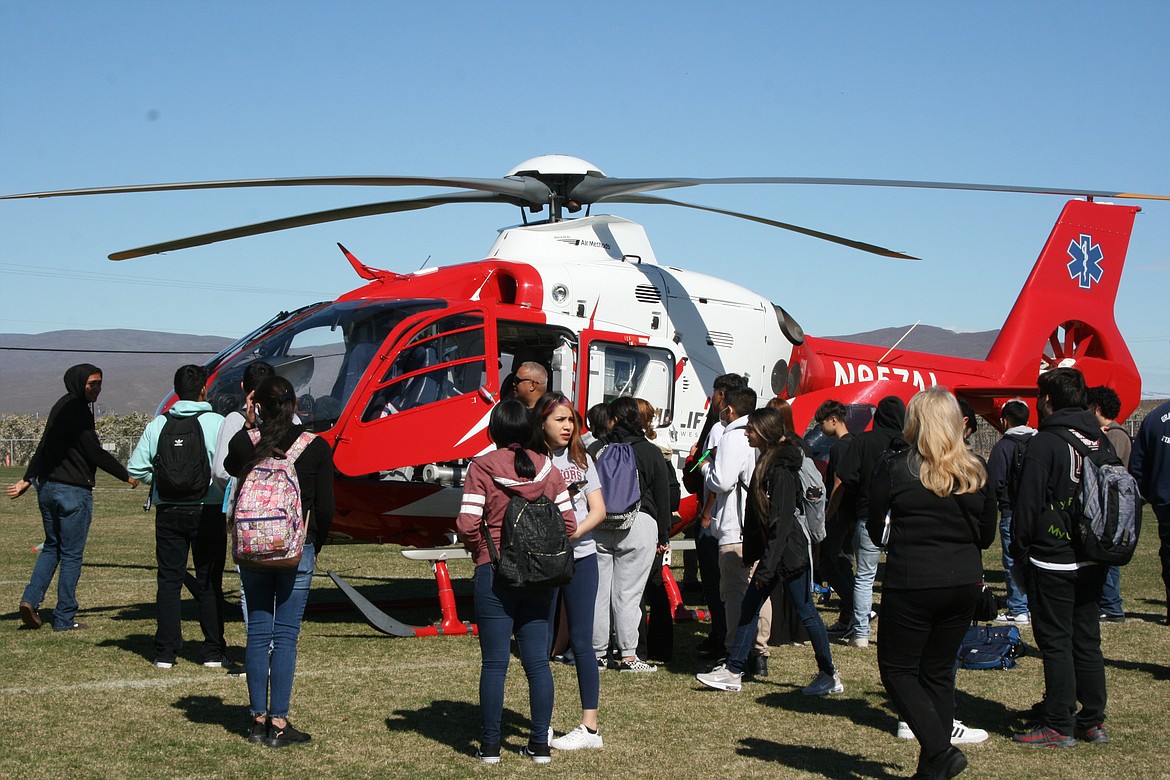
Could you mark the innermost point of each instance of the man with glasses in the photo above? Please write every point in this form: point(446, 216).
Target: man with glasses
point(531, 382)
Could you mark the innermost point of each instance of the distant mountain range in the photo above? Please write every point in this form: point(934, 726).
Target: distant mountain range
point(139, 366)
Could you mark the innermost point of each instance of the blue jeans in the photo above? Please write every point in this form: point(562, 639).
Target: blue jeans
point(580, 598)
point(1017, 600)
point(868, 556)
point(1110, 602)
point(66, 511)
point(799, 592)
point(276, 604)
point(500, 613)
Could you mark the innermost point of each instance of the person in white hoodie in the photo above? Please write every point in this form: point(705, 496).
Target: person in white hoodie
point(727, 477)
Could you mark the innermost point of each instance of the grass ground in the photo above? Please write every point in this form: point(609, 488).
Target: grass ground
point(90, 704)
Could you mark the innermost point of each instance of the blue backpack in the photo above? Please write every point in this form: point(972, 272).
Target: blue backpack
point(990, 647)
point(617, 470)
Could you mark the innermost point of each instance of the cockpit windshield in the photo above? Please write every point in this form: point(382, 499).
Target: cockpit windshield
point(323, 355)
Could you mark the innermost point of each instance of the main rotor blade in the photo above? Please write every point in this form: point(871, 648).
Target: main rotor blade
point(593, 189)
point(316, 218)
point(864, 247)
point(530, 190)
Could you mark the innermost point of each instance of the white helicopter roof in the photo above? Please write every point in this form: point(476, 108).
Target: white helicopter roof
point(599, 238)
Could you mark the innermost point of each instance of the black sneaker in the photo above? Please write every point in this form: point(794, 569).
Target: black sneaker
point(1094, 734)
point(538, 751)
point(1043, 736)
point(1108, 617)
point(278, 737)
point(488, 754)
point(258, 730)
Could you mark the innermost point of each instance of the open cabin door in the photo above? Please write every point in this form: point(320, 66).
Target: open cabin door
point(619, 365)
point(427, 395)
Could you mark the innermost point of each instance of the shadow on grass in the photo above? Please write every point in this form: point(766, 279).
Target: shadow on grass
point(1156, 671)
point(456, 724)
point(818, 761)
point(214, 711)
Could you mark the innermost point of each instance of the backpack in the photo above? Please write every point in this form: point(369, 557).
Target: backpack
point(617, 470)
point(1106, 514)
point(182, 470)
point(534, 549)
point(810, 499)
point(991, 647)
point(268, 523)
point(1016, 467)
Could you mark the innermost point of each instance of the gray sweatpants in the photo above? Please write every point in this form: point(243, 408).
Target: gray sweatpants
point(623, 564)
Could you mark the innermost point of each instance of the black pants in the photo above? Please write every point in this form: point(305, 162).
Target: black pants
point(707, 549)
point(1163, 515)
point(836, 563)
point(201, 531)
point(921, 634)
point(656, 631)
point(1066, 624)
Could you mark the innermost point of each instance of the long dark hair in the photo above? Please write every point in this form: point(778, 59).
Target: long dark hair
point(549, 403)
point(626, 416)
point(769, 424)
point(277, 401)
point(510, 426)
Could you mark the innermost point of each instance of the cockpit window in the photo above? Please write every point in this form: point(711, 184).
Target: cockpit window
point(323, 355)
point(443, 360)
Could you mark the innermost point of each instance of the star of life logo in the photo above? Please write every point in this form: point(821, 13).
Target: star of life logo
point(1086, 261)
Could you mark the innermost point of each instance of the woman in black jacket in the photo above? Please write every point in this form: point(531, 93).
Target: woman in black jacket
point(276, 598)
point(942, 513)
point(774, 536)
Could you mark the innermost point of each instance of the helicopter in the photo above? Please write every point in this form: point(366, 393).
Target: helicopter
point(400, 374)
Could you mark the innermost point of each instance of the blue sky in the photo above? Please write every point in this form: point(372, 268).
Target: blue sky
point(1069, 94)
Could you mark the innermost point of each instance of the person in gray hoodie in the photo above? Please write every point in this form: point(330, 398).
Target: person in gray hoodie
point(63, 468)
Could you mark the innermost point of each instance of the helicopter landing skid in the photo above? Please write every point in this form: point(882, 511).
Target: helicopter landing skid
point(450, 625)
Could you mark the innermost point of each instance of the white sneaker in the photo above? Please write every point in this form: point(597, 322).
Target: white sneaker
point(857, 641)
point(577, 739)
point(164, 664)
point(1007, 617)
point(721, 678)
point(824, 684)
point(960, 734)
point(966, 735)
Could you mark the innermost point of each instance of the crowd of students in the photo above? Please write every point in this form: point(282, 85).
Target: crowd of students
point(767, 521)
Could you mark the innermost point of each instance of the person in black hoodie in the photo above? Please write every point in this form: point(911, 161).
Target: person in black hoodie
point(941, 514)
point(63, 468)
point(854, 476)
point(1063, 585)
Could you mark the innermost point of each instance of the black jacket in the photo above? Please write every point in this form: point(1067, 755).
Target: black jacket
point(69, 451)
point(314, 474)
point(934, 542)
point(1048, 482)
point(777, 541)
point(858, 461)
point(658, 481)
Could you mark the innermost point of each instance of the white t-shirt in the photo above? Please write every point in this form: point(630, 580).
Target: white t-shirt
point(571, 473)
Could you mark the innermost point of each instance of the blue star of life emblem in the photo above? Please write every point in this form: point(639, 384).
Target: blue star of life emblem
point(1086, 261)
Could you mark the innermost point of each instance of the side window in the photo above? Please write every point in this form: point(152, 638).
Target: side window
point(617, 370)
point(443, 360)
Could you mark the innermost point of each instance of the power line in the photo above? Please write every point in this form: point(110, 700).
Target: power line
point(111, 351)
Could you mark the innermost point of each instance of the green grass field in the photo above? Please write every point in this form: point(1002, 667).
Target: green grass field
point(90, 704)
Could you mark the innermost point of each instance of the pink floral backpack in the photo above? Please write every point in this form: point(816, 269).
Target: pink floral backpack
point(268, 525)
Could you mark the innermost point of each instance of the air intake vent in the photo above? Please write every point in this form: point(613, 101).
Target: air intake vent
point(718, 339)
point(647, 293)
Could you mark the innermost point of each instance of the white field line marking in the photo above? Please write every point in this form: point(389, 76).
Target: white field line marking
point(168, 681)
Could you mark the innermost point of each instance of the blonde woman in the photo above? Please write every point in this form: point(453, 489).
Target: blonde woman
point(941, 515)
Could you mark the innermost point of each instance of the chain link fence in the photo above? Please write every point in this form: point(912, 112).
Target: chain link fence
point(18, 452)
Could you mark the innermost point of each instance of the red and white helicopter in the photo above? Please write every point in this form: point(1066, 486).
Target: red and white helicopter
point(401, 373)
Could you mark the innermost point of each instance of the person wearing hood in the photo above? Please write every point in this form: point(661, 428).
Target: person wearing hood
point(195, 528)
point(854, 474)
point(1063, 586)
point(501, 613)
point(62, 468)
point(1014, 418)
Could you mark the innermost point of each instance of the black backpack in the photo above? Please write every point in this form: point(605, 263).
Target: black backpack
point(1016, 467)
point(991, 647)
point(182, 471)
point(534, 550)
point(1106, 512)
